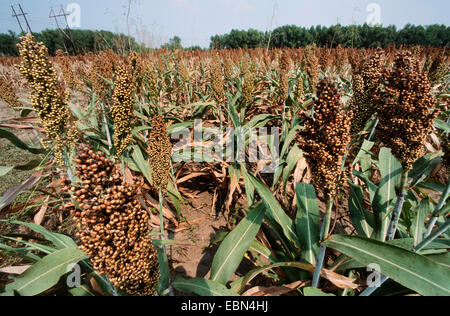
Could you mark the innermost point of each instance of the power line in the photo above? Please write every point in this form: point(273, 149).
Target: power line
point(63, 13)
point(24, 16)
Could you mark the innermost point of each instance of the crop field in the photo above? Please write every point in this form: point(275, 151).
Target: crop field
point(247, 172)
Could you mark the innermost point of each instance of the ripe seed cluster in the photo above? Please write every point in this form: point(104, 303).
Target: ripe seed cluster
point(66, 69)
point(249, 73)
point(284, 77)
point(406, 111)
point(311, 66)
point(48, 98)
point(122, 109)
point(299, 91)
point(325, 138)
point(367, 90)
point(160, 152)
point(446, 149)
point(438, 68)
point(103, 67)
point(217, 81)
point(151, 77)
point(114, 228)
point(8, 94)
point(137, 72)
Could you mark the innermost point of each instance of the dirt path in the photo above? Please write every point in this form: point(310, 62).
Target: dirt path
point(193, 258)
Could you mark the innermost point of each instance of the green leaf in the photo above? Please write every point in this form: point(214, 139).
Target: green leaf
point(60, 241)
point(10, 195)
point(164, 281)
point(362, 219)
point(421, 212)
point(81, 291)
point(371, 186)
point(262, 250)
point(249, 187)
point(385, 196)
point(293, 157)
point(442, 125)
point(365, 151)
point(18, 143)
point(307, 222)
point(141, 163)
point(260, 121)
point(275, 211)
point(202, 287)
point(443, 260)
point(423, 167)
point(36, 247)
point(233, 248)
point(407, 268)
point(312, 291)
point(46, 273)
point(21, 252)
point(5, 170)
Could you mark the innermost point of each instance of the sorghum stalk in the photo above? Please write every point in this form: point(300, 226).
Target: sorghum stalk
point(406, 119)
point(398, 206)
point(325, 230)
point(325, 141)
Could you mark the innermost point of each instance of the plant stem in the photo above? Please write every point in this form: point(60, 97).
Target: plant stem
point(393, 226)
point(438, 210)
point(373, 130)
point(327, 221)
point(105, 121)
point(161, 217)
point(369, 291)
point(324, 236)
point(441, 230)
point(161, 223)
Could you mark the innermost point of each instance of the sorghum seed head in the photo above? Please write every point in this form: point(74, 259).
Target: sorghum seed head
point(325, 138)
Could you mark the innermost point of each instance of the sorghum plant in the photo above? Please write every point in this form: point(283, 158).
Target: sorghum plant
point(122, 109)
point(48, 98)
point(325, 138)
point(160, 151)
point(8, 94)
point(407, 110)
point(113, 226)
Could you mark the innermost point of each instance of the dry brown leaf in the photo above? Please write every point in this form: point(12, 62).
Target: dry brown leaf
point(192, 176)
point(128, 176)
point(25, 127)
point(96, 287)
point(275, 291)
point(39, 217)
point(15, 270)
point(166, 212)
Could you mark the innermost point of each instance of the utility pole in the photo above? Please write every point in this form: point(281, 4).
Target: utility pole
point(63, 34)
point(24, 15)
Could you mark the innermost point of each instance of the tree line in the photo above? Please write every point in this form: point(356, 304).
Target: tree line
point(288, 36)
point(353, 36)
point(72, 41)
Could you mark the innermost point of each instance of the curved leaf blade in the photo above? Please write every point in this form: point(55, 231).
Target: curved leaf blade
point(59, 240)
point(235, 245)
point(407, 268)
point(202, 287)
point(46, 273)
point(307, 222)
point(275, 211)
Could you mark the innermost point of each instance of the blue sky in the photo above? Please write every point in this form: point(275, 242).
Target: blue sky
point(155, 21)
